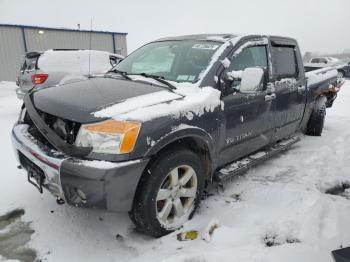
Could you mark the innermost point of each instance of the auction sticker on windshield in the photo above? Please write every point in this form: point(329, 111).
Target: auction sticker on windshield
point(205, 46)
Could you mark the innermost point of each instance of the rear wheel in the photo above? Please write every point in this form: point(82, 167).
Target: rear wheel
point(169, 192)
point(317, 118)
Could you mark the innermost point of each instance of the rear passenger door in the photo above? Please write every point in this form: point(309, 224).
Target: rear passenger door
point(290, 88)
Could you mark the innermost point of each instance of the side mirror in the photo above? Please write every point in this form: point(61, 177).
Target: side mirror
point(251, 79)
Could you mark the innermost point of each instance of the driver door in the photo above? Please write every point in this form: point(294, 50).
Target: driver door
point(248, 117)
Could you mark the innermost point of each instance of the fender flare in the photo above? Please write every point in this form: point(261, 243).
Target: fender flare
point(190, 132)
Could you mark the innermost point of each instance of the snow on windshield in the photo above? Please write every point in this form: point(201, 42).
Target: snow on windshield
point(75, 62)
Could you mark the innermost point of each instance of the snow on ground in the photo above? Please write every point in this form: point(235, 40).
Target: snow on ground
point(278, 211)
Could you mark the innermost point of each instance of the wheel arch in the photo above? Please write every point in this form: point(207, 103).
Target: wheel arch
point(193, 138)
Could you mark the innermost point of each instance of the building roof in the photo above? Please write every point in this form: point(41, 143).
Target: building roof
point(61, 29)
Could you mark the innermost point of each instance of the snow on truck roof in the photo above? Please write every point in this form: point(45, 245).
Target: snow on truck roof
point(203, 37)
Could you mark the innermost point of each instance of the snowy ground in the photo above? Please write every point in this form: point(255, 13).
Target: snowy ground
point(278, 211)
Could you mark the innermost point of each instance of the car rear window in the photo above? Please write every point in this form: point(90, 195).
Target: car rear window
point(76, 62)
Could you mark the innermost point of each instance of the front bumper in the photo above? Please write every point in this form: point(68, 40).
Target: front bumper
point(85, 183)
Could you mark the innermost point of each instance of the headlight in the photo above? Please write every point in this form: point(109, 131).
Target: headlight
point(109, 137)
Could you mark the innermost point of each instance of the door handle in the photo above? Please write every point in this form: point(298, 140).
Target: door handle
point(270, 97)
point(301, 89)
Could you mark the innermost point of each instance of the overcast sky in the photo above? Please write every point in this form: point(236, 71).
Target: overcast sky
point(318, 25)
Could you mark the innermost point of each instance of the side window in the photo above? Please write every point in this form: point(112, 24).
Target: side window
point(254, 56)
point(284, 62)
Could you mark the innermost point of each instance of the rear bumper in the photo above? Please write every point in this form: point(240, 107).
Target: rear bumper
point(85, 183)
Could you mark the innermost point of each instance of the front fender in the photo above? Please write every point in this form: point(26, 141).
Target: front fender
point(180, 133)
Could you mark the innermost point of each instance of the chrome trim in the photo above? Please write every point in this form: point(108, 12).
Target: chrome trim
point(44, 157)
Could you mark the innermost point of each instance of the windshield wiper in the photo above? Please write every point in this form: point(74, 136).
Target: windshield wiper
point(160, 79)
point(122, 73)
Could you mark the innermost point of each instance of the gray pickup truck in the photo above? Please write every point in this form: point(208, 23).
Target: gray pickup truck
point(174, 116)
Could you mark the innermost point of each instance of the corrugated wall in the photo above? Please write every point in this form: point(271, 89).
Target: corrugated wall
point(64, 39)
point(11, 52)
point(12, 47)
point(121, 45)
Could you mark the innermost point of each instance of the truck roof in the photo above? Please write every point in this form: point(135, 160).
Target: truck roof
point(223, 37)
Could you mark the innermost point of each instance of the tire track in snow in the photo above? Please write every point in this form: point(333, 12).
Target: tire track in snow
point(14, 236)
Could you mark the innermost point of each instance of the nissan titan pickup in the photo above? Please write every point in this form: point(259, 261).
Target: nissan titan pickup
point(176, 115)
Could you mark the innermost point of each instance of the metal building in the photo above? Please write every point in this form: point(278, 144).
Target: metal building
point(16, 40)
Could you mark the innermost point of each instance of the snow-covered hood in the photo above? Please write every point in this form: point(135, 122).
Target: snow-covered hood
point(188, 100)
point(82, 100)
point(96, 99)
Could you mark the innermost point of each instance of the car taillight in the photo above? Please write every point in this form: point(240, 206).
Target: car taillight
point(38, 79)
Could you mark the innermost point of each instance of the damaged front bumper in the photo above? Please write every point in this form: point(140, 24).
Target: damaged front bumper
point(85, 183)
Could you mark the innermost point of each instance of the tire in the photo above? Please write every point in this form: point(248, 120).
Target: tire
point(317, 118)
point(152, 202)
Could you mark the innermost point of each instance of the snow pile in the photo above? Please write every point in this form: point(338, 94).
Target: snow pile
point(134, 103)
point(195, 102)
point(188, 101)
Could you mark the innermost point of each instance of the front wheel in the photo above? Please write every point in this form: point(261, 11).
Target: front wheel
point(169, 192)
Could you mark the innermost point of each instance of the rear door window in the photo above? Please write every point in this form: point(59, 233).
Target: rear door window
point(284, 62)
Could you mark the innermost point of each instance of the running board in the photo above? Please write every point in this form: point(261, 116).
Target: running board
point(242, 165)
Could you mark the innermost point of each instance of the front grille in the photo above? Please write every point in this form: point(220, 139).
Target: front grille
point(65, 129)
